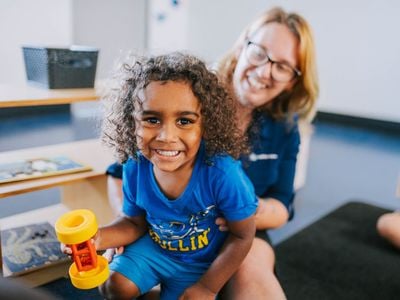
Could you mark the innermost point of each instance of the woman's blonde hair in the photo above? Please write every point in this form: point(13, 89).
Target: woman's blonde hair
point(302, 98)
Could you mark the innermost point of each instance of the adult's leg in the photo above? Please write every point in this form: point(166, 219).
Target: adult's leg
point(388, 227)
point(255, 278)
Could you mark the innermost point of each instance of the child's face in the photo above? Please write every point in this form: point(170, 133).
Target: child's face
point(169, 126)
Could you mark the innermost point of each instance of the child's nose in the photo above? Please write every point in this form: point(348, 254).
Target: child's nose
point(167, 133)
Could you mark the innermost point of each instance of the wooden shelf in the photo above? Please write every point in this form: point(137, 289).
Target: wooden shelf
point(88, 152)
point(86, 189)
point(78, 190)
point(26, 95)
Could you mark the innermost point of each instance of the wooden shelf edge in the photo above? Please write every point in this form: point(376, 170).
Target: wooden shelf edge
point(22, 187)
point(42, 276)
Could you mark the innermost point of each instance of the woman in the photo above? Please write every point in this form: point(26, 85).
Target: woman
point(271, 70)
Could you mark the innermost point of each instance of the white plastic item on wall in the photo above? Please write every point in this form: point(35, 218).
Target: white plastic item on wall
point(167, 25)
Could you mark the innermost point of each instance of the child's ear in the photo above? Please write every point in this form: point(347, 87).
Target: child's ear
point(203, 133)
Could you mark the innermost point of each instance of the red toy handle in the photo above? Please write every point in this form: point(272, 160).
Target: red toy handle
point(84, 256)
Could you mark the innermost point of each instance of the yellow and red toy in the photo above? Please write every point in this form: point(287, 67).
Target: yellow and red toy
point(75, 229)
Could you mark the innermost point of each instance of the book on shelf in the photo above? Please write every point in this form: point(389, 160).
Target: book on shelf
point(28, 248)
point(39, 167)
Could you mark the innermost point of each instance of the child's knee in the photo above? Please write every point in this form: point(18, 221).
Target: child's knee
point(118, 286)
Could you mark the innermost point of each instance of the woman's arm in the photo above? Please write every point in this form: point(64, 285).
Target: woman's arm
point(121, 232)
point(271, 213)
point(233, 252)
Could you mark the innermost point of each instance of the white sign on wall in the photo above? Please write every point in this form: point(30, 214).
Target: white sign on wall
point(167, 25)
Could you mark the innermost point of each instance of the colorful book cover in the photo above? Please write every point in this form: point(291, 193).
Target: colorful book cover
point(28, 248)
point(39, 167)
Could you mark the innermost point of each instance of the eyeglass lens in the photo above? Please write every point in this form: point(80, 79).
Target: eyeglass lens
point(257, 55)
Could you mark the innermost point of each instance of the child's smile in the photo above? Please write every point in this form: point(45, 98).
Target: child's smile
point(169, 126)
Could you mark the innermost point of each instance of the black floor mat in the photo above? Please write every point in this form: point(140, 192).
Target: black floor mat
point(340, 256)
point(63, 289)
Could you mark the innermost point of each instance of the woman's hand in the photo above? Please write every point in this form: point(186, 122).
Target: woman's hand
point(198, 292)
point(109, 254)
point(222, 224)
point(66, 249)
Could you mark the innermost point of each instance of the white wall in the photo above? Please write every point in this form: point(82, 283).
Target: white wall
point(25, 22)
point(167, 25)
point(115, 27)
point(357, 43)
point(358, 48)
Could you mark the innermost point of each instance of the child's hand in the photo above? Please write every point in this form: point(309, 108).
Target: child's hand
point(66, 249)
point(109, 254)
point(221, 222)
point(198, 292)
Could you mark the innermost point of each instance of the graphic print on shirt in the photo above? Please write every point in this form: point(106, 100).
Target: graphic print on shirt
point(262, 156)
point(186, 236)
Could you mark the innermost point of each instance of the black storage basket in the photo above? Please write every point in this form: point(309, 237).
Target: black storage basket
point(59, 68)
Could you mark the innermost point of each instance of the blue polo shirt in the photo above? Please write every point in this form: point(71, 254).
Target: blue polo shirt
point(271, 164)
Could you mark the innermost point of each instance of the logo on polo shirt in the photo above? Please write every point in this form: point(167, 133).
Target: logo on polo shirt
point(262, 156)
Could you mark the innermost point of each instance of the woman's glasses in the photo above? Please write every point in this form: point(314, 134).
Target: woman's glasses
point(257, 55)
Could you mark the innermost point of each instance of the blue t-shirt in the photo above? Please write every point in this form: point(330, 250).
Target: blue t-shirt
point(272, 162)
point(185, 228)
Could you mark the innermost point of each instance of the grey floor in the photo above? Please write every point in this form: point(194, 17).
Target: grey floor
point(346, 163)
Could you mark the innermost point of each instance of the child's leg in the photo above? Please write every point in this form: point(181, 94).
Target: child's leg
point(118, 286)
point(133, 271)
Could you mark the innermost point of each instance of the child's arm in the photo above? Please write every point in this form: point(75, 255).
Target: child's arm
point(120, 232)
point(233, 252)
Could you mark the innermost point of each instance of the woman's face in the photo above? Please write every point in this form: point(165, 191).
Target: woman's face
point(254, 85)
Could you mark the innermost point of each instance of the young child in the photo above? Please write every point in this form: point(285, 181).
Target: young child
point(172, 124)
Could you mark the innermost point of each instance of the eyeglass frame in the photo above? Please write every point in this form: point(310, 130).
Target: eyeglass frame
point(296, 72)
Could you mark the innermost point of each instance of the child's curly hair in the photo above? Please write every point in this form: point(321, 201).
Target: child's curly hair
point(220, 132)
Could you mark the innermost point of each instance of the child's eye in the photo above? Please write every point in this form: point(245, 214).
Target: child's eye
point(151, 120)
point(185, 121)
